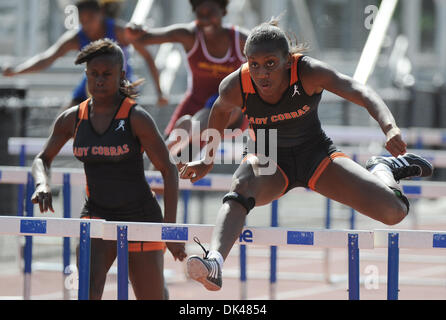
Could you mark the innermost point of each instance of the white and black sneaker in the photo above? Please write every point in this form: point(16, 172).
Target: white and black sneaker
point(406, 166)
point(205, 270)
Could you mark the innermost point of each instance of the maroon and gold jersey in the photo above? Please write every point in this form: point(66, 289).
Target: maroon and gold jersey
point(205, 73)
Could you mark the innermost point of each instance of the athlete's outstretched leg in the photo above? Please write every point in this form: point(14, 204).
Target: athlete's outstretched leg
point(249, 188)
point(375, 194)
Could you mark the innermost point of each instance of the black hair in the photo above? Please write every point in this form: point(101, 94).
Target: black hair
point(108, 47)
point(271, 33)
point(92, 5)
point(222, 3)
point(111, 8)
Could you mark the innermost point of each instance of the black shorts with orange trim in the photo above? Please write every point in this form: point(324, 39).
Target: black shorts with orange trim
point(303, 165)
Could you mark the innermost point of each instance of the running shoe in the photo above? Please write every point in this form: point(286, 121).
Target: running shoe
point(406, 166)
point(205, 270)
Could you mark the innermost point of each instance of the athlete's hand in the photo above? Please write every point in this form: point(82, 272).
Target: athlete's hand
point(42, 196)
point(395, 143)
point(195, 170)
point(133, 31)
point(8, 72)
point(177, 249)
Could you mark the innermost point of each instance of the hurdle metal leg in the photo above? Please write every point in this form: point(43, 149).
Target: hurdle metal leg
point(353, 267)
point(123, 263)
point(84, 262)
point(392, 266)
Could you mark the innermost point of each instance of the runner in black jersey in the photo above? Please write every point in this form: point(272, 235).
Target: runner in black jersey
point(111, 133)
point(278, 88)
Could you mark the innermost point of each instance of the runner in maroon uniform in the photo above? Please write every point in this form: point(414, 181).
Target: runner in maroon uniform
point(279, 89)
point(110, 133)
point(213, 51)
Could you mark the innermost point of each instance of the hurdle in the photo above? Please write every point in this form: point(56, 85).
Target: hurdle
point(132, 231)
point(351, 240)
point(408, 239)
point(222, 182)
point(212, 182)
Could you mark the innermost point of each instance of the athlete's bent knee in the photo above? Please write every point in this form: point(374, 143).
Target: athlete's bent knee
point(247, 202)
point(395, 214)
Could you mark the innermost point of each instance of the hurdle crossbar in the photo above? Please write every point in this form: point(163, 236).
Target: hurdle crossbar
point(169, 232)
point(276, 236)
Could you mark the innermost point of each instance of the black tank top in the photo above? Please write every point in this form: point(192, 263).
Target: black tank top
point(113, 163)
point(295, 116)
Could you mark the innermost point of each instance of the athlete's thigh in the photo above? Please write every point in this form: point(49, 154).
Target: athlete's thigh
point(102, 256)
point(349, 183)
point(259, 178)
point(146, 274)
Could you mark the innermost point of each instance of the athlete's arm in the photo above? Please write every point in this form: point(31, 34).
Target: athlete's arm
point(176, 33)
point(63, 130)
point(43, 60)
point(317, 75)
point(145, 129)
point(230, 97)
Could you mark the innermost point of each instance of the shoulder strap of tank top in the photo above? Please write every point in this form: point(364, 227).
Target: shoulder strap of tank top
point(83, 110)
point(247, 86)
point(82, 114)
point(236, 40)
point(294, 75)
point(124, 110)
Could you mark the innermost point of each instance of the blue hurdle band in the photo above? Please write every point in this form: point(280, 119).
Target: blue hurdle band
point(66, 214)
point(353, 267)
point(392, 267)
point(123, 261)
point(84, 261)
point(273, 250)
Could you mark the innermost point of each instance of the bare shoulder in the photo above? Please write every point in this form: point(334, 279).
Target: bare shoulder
point(141, 119)
point(65, 122)
point(313, 66)
point(230, 89)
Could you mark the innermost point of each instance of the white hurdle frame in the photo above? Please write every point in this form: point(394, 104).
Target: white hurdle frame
point(353, 240)
point(213, 182)
point(168, 232)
